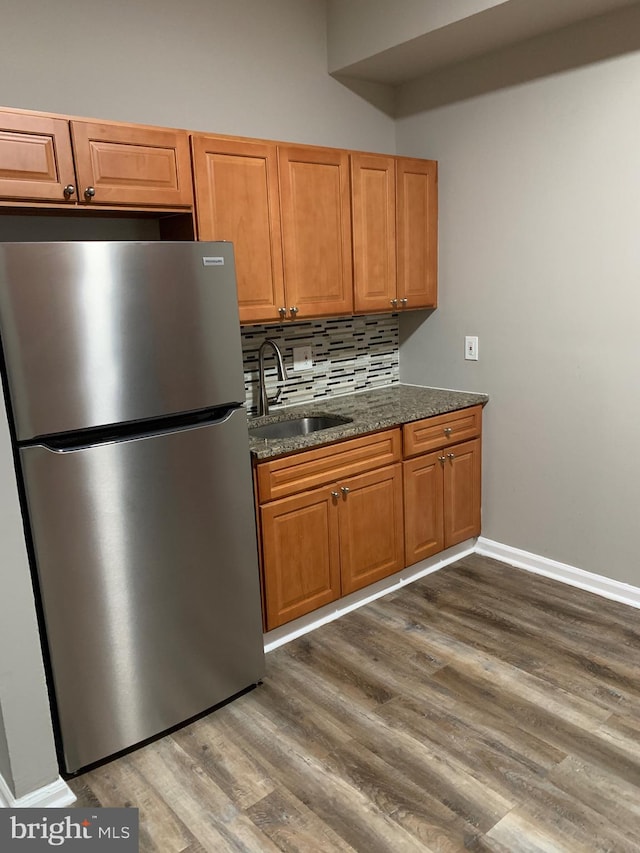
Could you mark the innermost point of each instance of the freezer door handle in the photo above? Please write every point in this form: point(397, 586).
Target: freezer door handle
point(72, 442)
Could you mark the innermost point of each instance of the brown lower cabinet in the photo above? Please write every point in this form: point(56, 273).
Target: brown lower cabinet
point(323, 544)
point(442, 489)
point(340, 517)
point(330, 522)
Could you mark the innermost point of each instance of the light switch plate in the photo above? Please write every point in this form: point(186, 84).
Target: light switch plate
point(303, 358)
point(471, 347)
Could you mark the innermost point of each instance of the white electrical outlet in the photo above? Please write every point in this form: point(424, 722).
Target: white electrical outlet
point(471, 347)
point(303, 358)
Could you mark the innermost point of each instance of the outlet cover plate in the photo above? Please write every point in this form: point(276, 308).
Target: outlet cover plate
point(303, 358)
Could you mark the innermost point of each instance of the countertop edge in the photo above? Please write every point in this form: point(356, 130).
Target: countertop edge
point(370, 411)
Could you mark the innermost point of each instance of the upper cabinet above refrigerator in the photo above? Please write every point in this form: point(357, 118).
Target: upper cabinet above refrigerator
point(49, 159)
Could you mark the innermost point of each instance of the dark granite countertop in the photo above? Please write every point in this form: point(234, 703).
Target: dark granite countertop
point(380, 408)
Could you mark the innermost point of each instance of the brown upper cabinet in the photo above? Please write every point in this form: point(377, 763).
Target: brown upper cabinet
point(417, 218)
point(53, 160)
point(286, 209)
point(395, 232)
point(132, 165)
point(316, 230)
point(237, 199)
point(36, 161)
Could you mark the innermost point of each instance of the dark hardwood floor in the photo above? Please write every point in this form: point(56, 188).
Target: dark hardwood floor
point(481, 708)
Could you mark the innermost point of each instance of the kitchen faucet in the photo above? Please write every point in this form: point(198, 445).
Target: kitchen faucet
point(265, 401)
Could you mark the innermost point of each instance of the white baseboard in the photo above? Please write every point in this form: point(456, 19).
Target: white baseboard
point(56, 795)
point(606, 587)
point(598, 584)
point(305, 624)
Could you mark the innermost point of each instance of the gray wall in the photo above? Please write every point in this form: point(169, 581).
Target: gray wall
point(539, 151)
point(244, 67)
point(27, 756)
point(239, 66)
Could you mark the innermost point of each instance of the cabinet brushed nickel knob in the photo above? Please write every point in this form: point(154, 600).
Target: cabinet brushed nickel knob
point(89, 192)
point(442, 459)
point(282, 312)
point(293, 310)
point(69, 190)
point(451, 456)
point(394, 302)
point(448, 431)
point(345, 490)
point(335, 495)
point(403, 302)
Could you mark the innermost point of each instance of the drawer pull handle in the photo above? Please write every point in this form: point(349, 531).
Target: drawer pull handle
point(448, 431)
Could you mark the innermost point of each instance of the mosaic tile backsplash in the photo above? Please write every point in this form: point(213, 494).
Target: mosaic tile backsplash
point(349, 354)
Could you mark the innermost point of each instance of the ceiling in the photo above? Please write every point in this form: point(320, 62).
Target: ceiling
point(367, 41)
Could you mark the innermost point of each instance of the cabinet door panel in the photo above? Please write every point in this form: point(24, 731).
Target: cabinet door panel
point(423, 502)
point(417, 197)
point(132, 165)
point(373, 201)
point(462, 492)
point(237, 200)
point(316, 229)
point(371, 528)
point(35, 158)
point(301, 558)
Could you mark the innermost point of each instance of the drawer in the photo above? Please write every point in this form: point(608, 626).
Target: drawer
point(299, 472)
point(441, 431)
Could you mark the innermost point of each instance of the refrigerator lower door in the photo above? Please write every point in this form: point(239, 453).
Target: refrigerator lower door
point(147, 565)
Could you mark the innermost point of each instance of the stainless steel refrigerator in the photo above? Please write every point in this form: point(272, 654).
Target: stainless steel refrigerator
point(124, 381)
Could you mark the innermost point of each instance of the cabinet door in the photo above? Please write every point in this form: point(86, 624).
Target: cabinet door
point(462, 483)
point(301, 555)
point(237, 200)
point(417, 205)
point(36, 162)
point(371, 527)
point(138, 166)
point(423, 507)
point(373, 204)
point(316, 230)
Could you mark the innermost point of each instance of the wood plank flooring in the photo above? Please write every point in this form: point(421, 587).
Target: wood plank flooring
point(482, 708)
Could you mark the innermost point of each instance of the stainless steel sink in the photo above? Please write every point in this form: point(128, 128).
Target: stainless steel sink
point(298, 426)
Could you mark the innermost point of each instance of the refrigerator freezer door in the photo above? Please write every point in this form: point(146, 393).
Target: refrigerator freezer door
point(146, 558)
point(102, 333)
